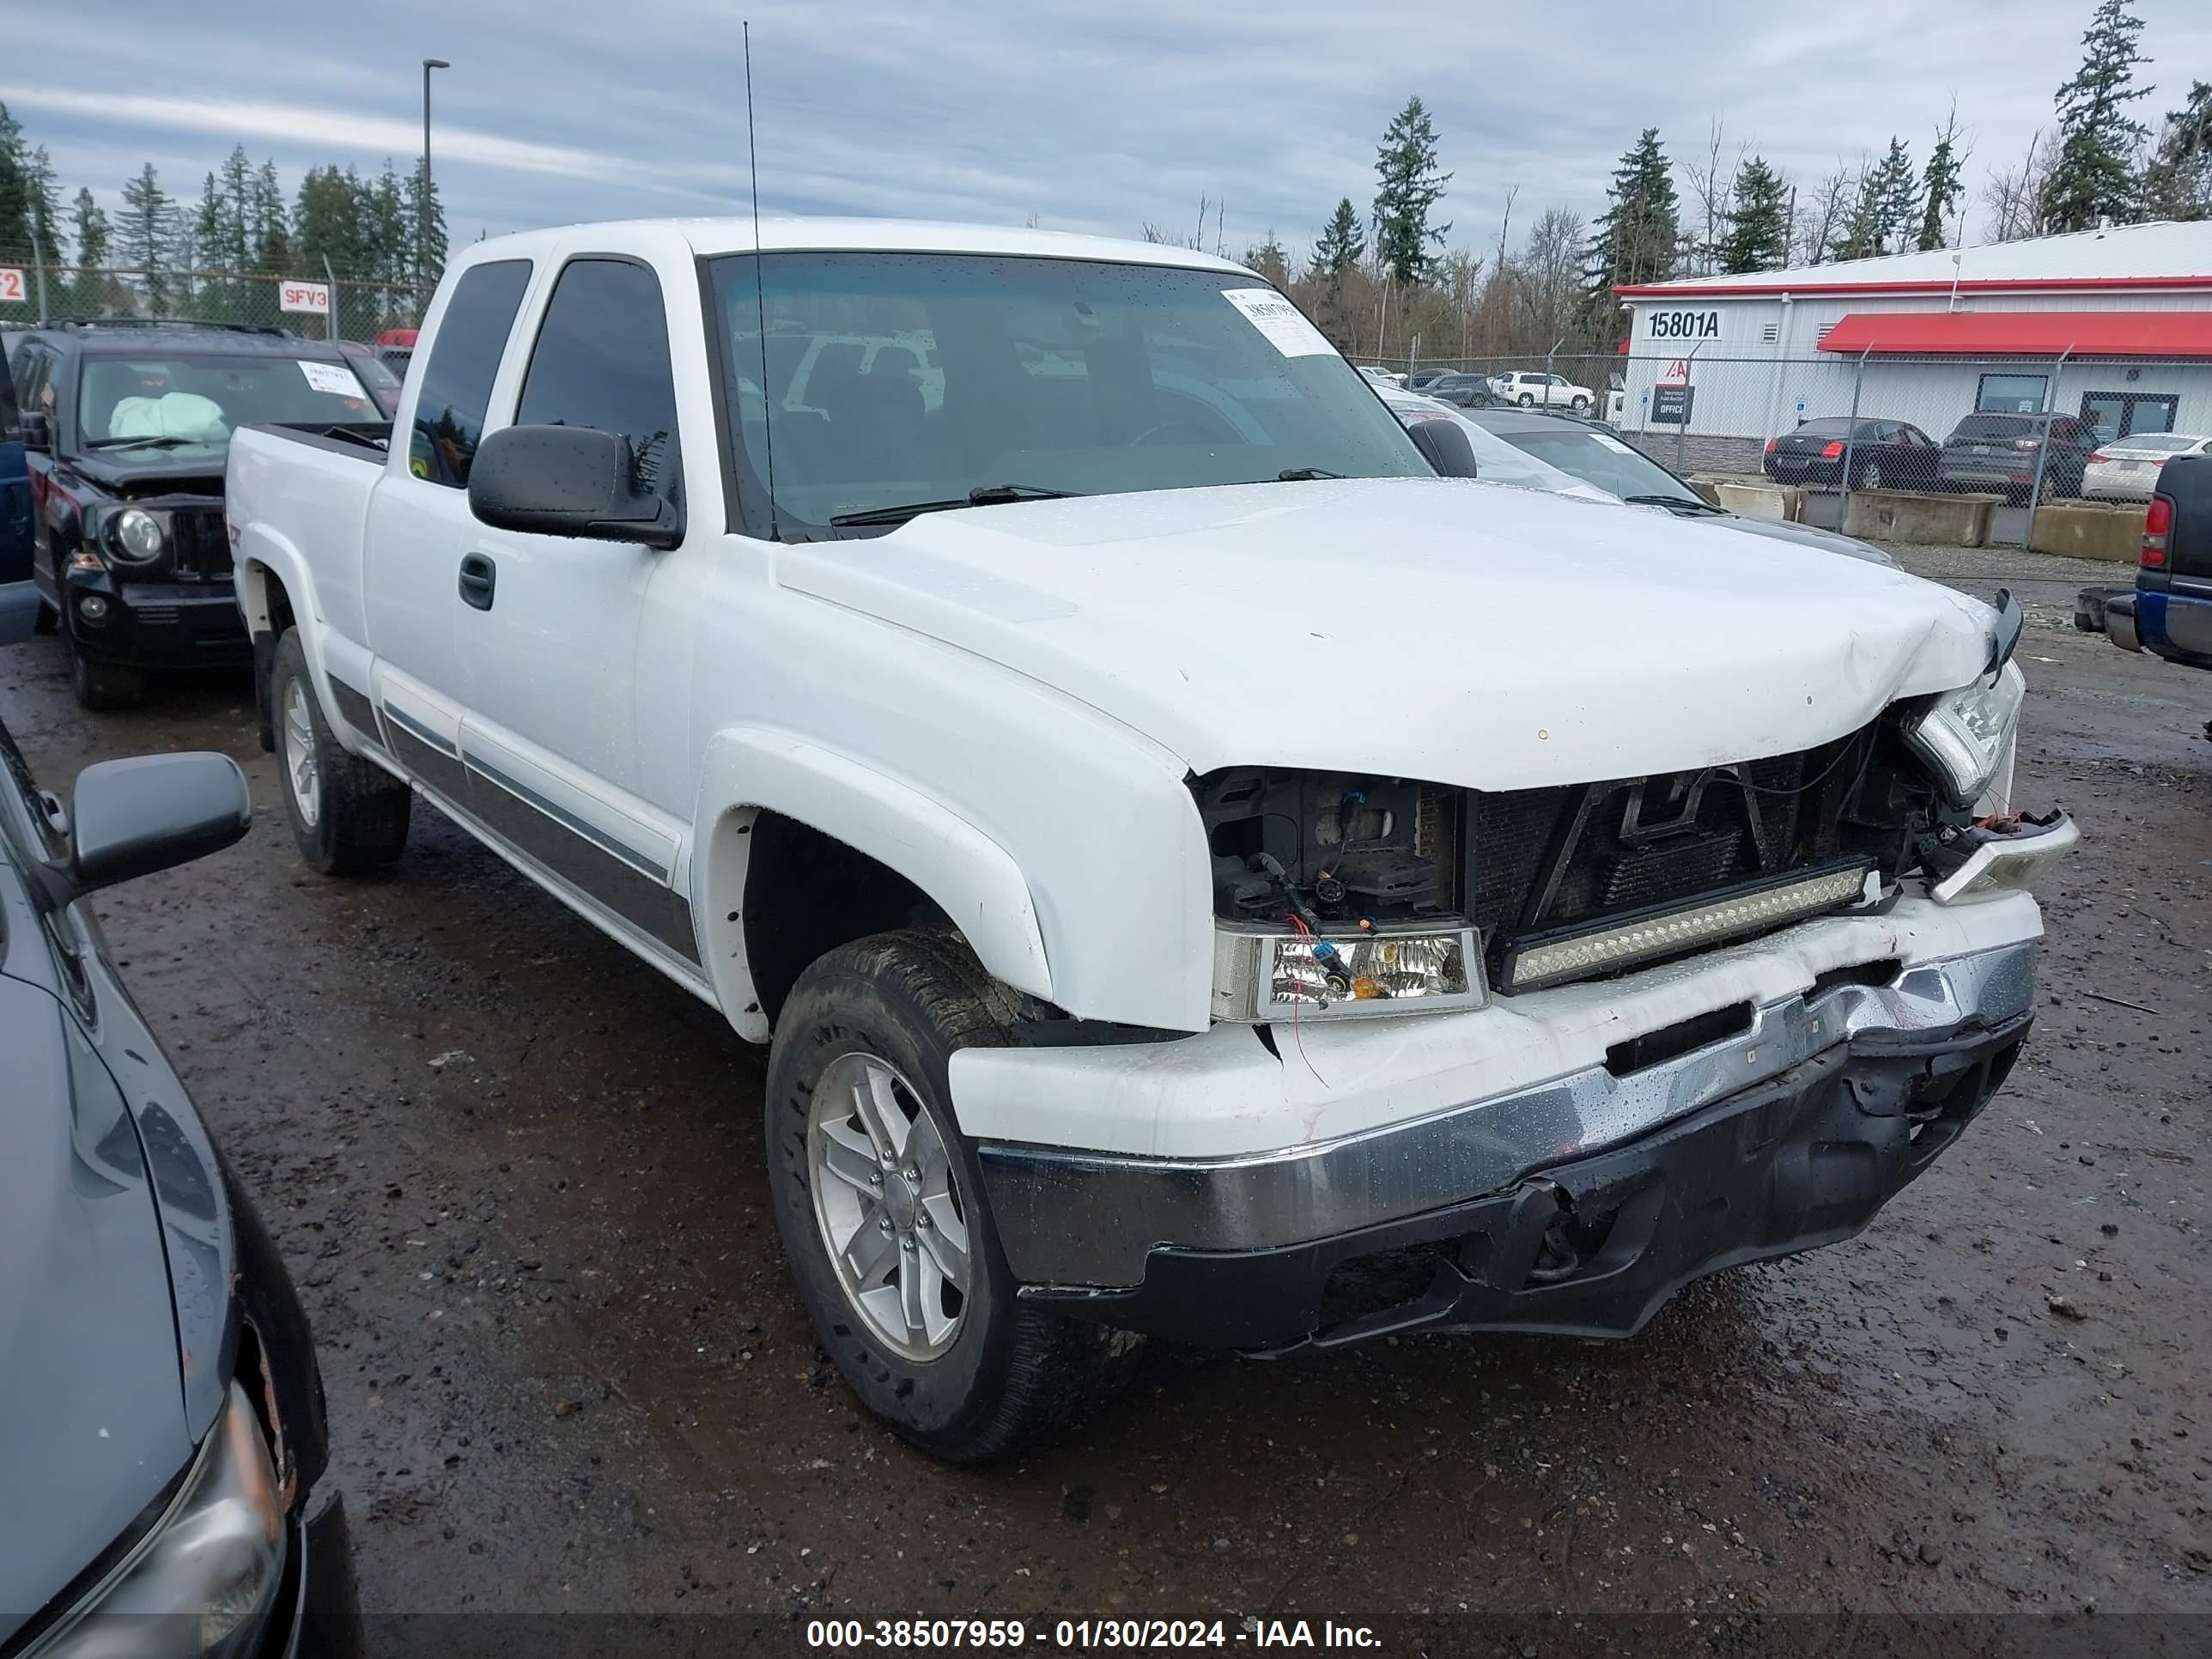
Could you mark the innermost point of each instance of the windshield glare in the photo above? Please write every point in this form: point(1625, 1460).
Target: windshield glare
point(897, 379)
point(1600, 459)
point(201, 400)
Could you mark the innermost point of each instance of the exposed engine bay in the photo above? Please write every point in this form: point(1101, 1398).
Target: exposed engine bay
point(1350, 854)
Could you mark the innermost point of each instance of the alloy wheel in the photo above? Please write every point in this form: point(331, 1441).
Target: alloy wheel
point(887, 1199)
point(301, 769)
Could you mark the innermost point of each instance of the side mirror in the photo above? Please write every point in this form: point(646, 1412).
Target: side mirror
point(38, 430)
point(130, 818)
point(567, 481)
point(1444, 445)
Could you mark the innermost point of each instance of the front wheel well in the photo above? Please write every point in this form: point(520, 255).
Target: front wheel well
point(806, 893)
point(268, 608)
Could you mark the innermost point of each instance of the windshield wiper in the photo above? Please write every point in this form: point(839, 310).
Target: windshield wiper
point(981, 495)
point(1674, 503)
point(161, 442)
point(1304, 474)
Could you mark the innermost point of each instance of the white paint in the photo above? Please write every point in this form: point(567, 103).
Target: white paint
point(1221, 1094)
point(1004, 705)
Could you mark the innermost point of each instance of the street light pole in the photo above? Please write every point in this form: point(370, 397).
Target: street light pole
point(423, 201)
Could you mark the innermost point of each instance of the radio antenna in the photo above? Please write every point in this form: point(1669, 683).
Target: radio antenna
point(760, 290)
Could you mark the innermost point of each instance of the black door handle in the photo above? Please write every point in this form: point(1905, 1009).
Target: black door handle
point(479, 576)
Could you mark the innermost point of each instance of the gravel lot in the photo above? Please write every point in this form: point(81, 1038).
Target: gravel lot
point(517, 1178)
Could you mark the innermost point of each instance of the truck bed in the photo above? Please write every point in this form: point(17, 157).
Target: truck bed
point(307, 489)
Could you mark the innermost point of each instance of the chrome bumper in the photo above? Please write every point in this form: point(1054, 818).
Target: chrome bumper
point(1086, 1218)
point(2120, 622)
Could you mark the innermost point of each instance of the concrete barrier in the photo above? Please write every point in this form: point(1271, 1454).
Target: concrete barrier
point(1907, 515)
point(1708, 489)
point(2088, 530)
point(1784, 502)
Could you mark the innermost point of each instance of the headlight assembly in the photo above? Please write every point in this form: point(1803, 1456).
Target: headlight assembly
point(1266, 973)
point(1965, 736)
point(200, 1584)
point(135, 535)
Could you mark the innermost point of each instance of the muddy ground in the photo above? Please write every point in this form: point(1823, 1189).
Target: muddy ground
point(517, 1178)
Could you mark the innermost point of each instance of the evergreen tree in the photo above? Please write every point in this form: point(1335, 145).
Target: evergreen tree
point(266, 226)
point(1409, 187)
point(326, 219)
point(2178, 183)
point(14, 186)
point(1758, 234)
point(1942, 182)
point(387, 231)
point(88, 297)
point(1338, 253)
point(149, 230)
point(1638, 238)
point(228, 244)
point(2095, 177)
point(426, 228)
point(1269, 260)
point(1897, 199)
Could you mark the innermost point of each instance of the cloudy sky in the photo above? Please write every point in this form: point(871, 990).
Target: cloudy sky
point(1088, 115)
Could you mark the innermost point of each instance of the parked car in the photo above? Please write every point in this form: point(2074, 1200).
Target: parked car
point(1532, 388)
point(1422, 377)
point(2126, 469)
point(14, 487)
point(1380, 375)
point(161, 1410)
point(381, 379)
point(1883, 454)
point(1066, 912)
point(1591, 451)
point(1997, 454)
point(2169, 614)
point(127, 428)
point(1463, 391)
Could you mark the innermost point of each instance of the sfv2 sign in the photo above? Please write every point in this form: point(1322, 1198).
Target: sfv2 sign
point(13, 291)
point(1685, 325)
point(314, 297)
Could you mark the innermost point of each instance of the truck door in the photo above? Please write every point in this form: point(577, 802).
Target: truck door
point(548, 633)
point(419, 522)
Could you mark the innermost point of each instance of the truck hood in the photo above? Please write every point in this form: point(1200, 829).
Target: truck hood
point(92, 1412)
point(1439, 629)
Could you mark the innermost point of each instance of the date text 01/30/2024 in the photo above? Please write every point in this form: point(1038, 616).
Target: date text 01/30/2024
point(947, 1634)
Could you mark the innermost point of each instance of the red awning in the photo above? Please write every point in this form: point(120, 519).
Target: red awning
point(2024, 333)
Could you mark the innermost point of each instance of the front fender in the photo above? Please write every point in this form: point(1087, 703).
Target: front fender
point(967, 874)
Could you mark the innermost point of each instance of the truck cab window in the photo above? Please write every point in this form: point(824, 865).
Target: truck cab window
point(449, 412)
point(601, 361)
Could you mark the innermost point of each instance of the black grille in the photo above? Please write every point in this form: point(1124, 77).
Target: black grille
point(1544, 859)
point(199, 544)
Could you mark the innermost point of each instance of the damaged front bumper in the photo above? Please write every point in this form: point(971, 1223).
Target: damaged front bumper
point(1575, 1206)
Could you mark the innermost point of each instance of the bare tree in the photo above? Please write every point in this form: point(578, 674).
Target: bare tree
point(2011, 197)
point(1712, 190)
point(1548, 274)
point(1827, 207)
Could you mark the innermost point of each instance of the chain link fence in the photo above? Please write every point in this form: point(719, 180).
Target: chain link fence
point(2022, 431)
point(308, 298)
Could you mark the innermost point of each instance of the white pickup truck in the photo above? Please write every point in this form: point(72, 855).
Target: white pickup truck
point(1199, 871)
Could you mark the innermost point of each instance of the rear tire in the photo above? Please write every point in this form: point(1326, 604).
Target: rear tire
point(1580, 405)
point(1527, 400)
point(348, 815)
point(879, 1020)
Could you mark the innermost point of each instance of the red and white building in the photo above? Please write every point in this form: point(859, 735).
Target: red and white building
point(2115, 325)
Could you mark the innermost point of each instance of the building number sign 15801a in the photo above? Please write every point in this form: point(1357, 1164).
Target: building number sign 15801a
point(1686, 325)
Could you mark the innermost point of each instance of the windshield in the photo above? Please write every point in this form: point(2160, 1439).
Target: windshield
point(1600, 459)
point(179, 400)
point(1997, 426)
point(2162, 443)
point(897, 379)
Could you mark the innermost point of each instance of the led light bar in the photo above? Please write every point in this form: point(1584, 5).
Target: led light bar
point(1543, 959)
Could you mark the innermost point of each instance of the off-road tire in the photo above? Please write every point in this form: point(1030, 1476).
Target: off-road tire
point(361, 820)
point(101, 687)
point(1015, 1376)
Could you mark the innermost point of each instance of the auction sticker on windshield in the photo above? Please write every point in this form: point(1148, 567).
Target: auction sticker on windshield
point(330, 377)
point(1282, 323)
